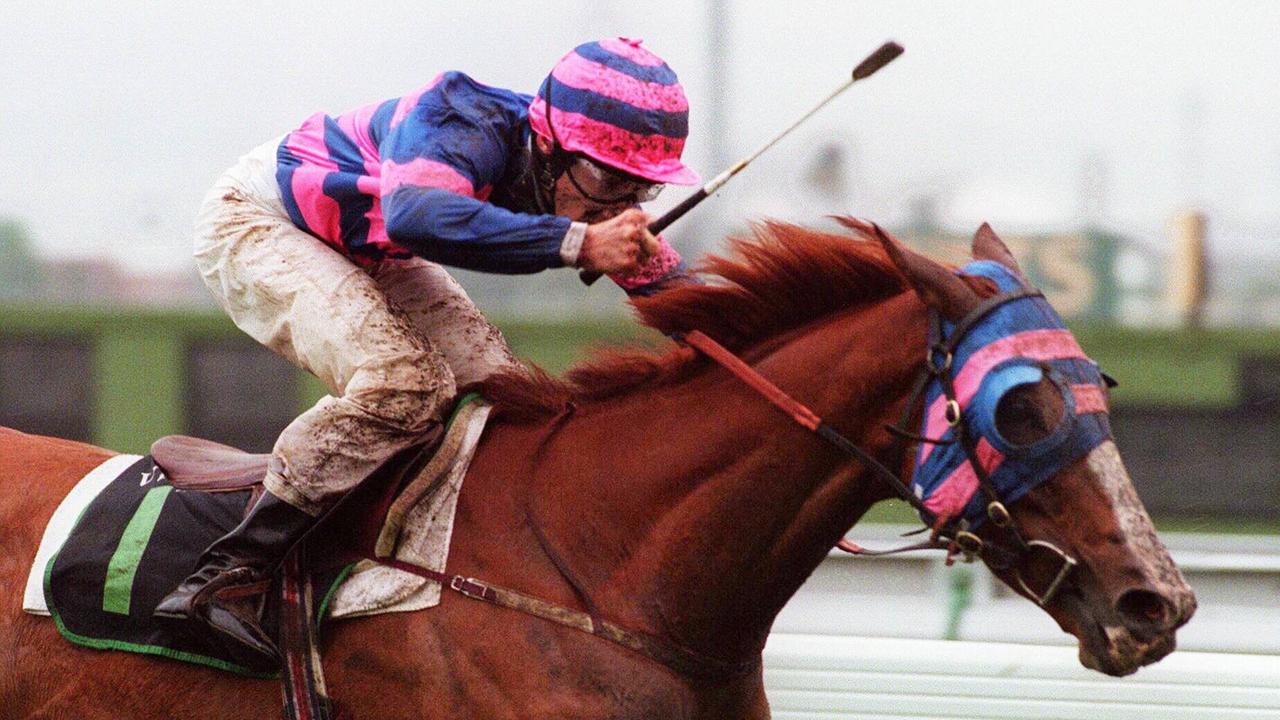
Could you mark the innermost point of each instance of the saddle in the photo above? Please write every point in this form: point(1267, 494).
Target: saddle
point(366, 524)
point(205, 465)
point(347, 533)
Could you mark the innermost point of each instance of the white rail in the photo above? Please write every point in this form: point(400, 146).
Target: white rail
point(847, 678)
point(1236, 579)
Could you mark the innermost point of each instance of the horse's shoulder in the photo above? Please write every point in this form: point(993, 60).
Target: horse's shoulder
point(40, 469)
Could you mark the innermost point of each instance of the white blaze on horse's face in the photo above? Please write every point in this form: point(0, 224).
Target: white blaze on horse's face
point(1127, 598)
point(1129, 620)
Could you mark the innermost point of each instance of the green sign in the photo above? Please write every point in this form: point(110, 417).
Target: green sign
point(1076, 271)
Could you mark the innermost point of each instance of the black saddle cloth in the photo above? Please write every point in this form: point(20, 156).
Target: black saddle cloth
point(144, 533)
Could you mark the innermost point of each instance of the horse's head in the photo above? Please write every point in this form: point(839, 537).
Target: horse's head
point(1025, 473)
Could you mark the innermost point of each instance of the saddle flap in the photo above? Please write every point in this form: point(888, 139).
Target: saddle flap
point(196, 464)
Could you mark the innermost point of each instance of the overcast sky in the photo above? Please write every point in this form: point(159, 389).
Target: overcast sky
point(116, 116)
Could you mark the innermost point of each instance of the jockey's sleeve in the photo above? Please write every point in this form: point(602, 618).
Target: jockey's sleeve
point(439, 165)
point(453, 229)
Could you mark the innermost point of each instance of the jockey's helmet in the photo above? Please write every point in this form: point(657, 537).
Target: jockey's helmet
point(615, 104)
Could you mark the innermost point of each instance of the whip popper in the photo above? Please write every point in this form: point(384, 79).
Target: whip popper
point(873, 62)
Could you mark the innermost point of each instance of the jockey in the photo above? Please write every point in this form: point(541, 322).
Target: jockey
point(326, 246)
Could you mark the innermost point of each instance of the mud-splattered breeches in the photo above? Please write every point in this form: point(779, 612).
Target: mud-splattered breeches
point(392, 344)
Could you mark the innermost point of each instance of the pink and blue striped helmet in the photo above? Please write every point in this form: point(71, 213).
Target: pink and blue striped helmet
point(619, 104)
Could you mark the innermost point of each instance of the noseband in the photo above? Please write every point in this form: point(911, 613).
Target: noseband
point(954, 534)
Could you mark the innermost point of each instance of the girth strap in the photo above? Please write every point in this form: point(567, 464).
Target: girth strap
point(684, 661)
point(301, 673)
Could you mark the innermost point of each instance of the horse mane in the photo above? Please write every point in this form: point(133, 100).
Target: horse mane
point(777, 278)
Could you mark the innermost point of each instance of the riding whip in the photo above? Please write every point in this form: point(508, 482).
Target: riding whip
point(873, 62)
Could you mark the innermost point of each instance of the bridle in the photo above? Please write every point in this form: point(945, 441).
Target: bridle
point(954, 535)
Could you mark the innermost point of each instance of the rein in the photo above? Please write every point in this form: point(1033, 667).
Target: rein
point(798, 411)
point(682, 660)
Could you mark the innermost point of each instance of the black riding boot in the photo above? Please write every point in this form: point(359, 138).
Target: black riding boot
point(222, 592)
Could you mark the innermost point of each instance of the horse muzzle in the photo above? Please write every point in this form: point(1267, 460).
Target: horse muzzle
point(1138, 628)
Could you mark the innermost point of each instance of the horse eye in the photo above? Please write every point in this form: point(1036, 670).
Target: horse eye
point(1029, 413)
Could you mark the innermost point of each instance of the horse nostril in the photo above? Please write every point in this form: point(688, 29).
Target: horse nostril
point(1145, 611)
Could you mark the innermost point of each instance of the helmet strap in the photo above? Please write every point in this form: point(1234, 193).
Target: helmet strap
point(548, 168)
point(546, 171)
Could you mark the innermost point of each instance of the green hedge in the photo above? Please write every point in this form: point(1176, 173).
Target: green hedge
point(1153, 365)
point(138, 355)
point(1197, 368)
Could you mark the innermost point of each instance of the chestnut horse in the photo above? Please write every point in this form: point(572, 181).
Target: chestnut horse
point(655, 490)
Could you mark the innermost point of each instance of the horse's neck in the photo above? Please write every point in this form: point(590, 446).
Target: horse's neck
point(698, 509)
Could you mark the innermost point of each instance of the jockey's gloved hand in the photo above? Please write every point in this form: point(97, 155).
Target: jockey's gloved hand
point(620, 244)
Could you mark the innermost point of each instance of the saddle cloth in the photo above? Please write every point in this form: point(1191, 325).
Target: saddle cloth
point(417, 529)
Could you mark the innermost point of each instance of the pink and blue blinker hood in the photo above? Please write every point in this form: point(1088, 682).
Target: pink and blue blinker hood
point(1018, 342)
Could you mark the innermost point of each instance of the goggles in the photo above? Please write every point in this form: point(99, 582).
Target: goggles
point(606, 186)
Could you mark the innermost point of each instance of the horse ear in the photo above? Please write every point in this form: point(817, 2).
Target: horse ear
point(937, 286)
point(988, 246)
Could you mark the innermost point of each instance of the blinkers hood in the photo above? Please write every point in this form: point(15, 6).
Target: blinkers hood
point(1020, 342)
